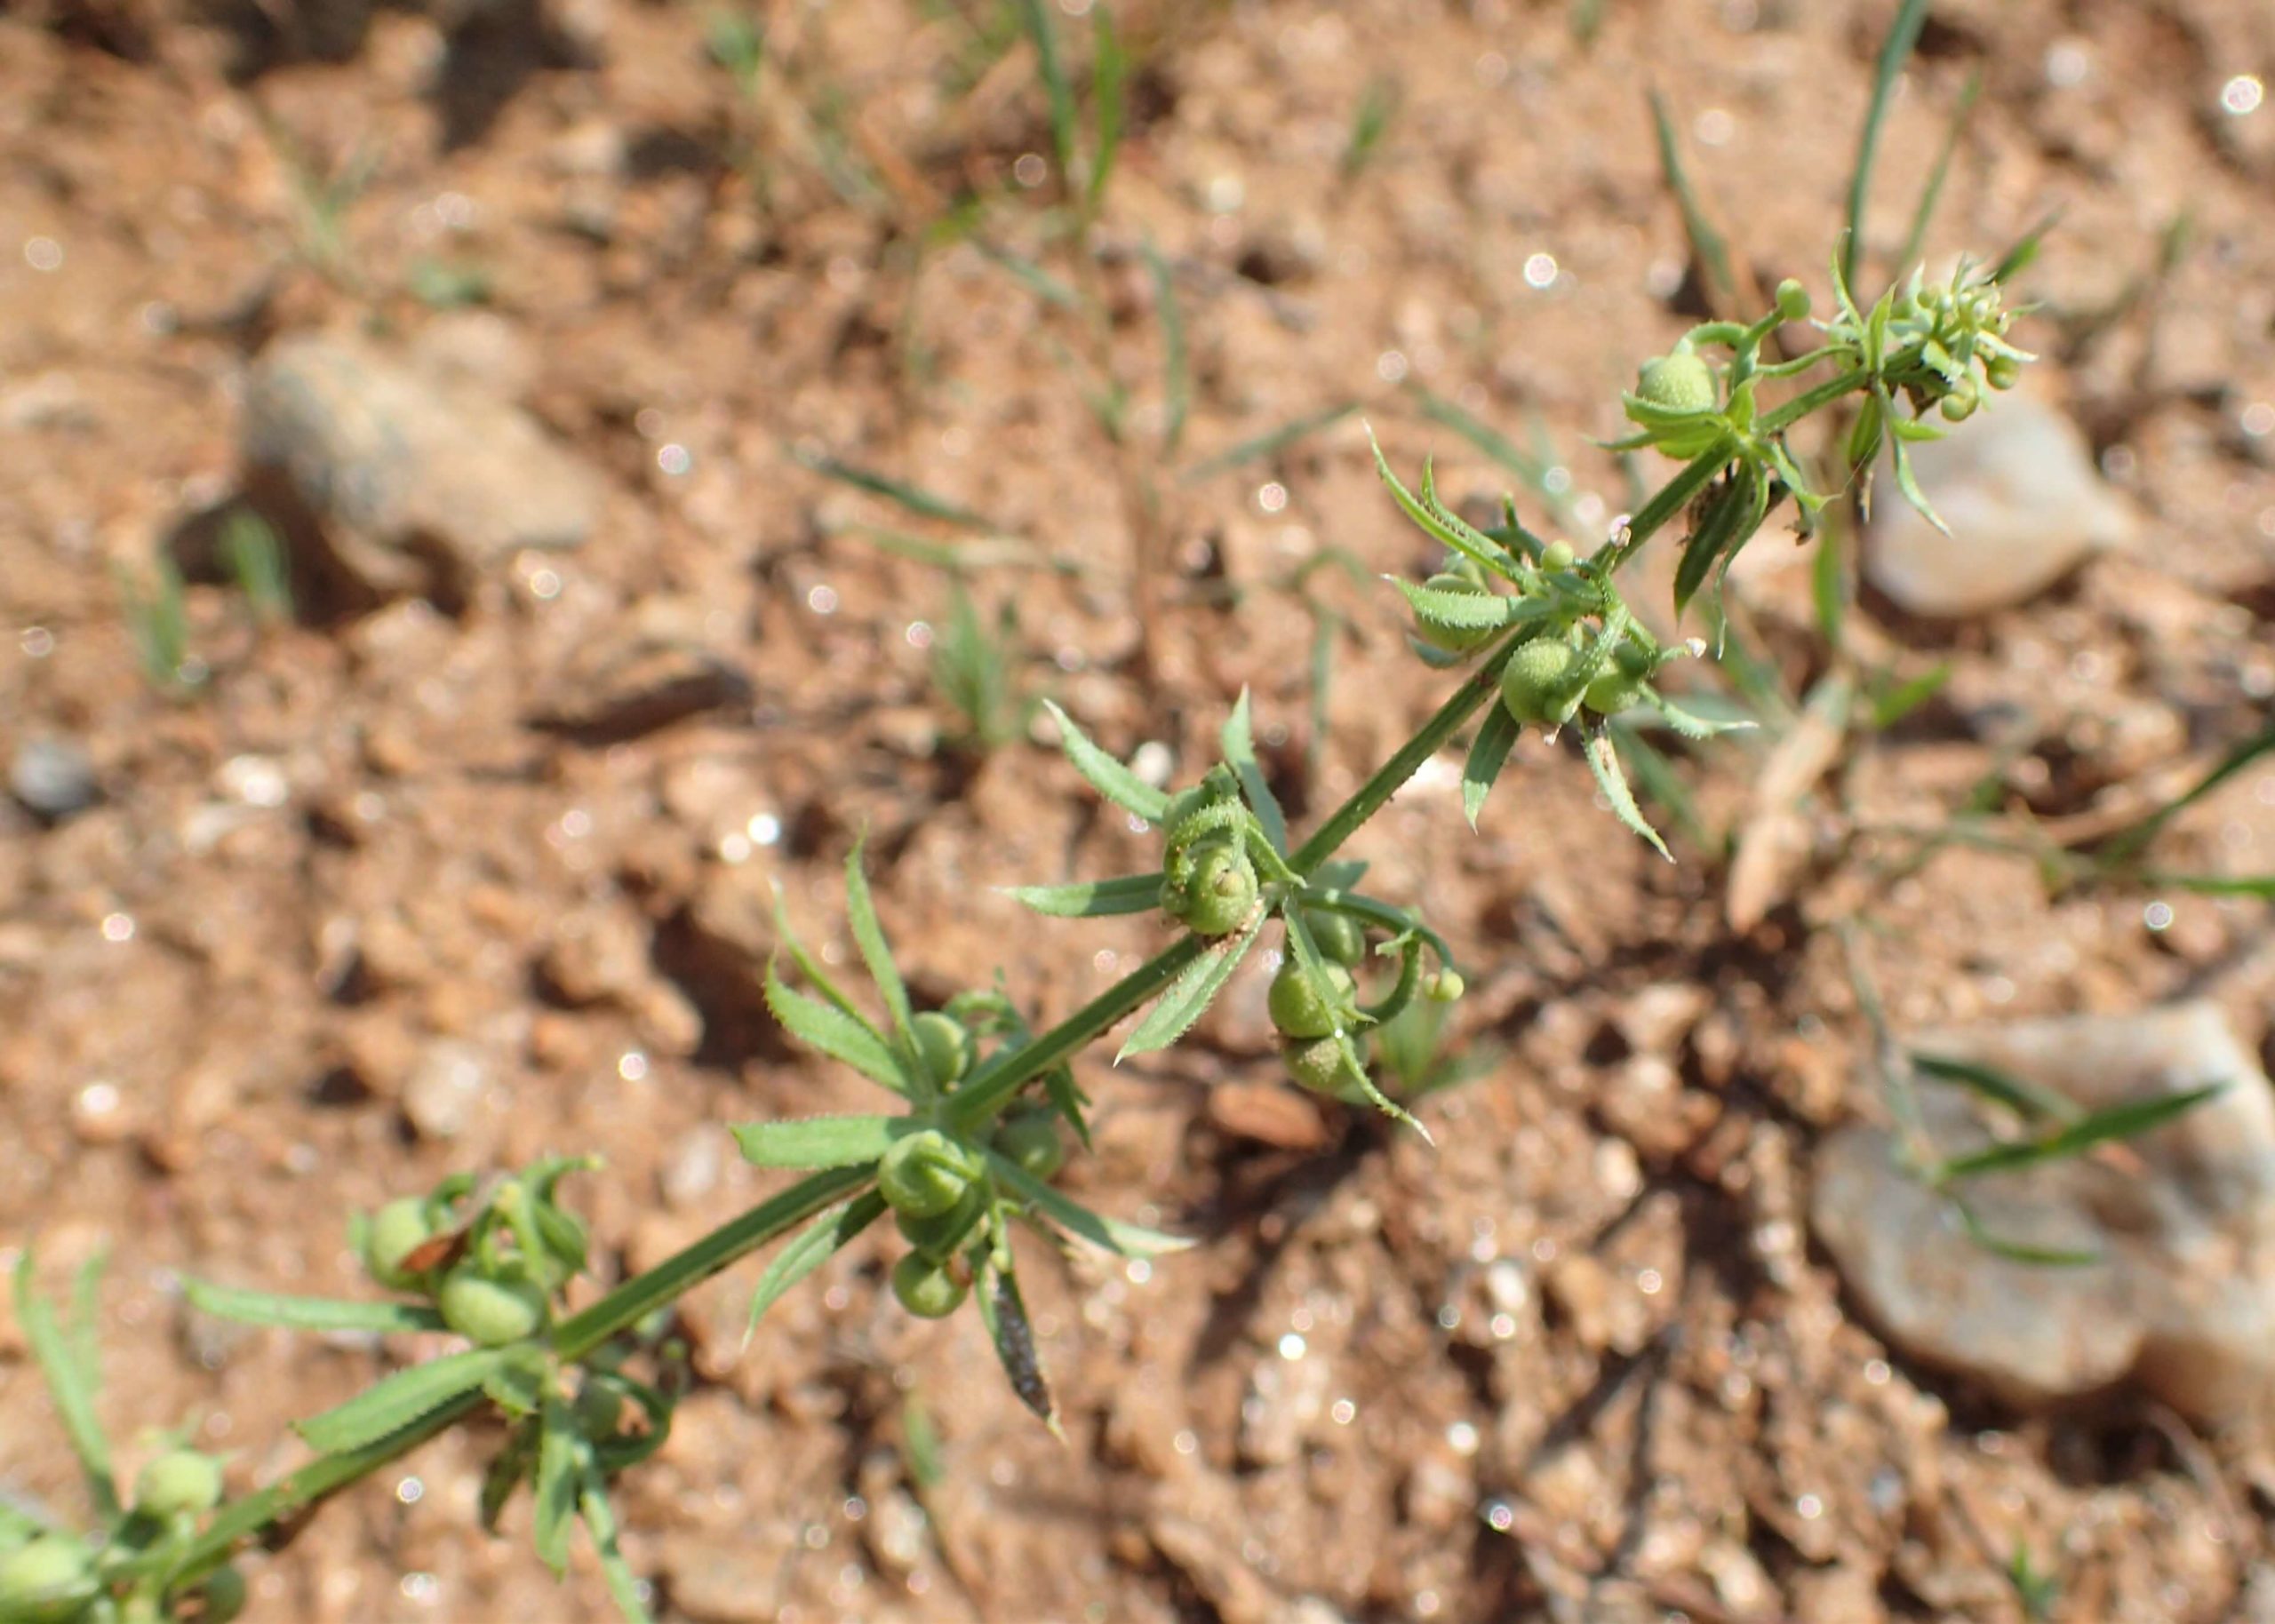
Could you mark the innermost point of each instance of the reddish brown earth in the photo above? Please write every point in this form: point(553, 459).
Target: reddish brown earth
point(1581, 1361)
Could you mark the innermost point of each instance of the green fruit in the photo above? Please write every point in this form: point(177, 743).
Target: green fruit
point(942, 1233)
point(397, 1229)
point(925, 1288)
point(1338, 935)
point(1217, 891)
point(181, 1481)
point(1957, 406)
point(1443, 634)
point(1793, 300)
point(2002, 371)
point(1317, 1063)
point(1536, 682)
point(925, 1173)
point(1297, 1007)
point(1557, 556)
point(1444, 987)
point(1619, 685)
point(1031, 1140)
point(225, 1595)
point(599, 1408)
point(492, 1312)
point(944, 1044)
point(50, 1581)
point(1679, 382)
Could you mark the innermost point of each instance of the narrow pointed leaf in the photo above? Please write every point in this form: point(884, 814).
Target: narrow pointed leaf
point(815, 1142)
point(518, 1386)
point(1472, 612)
point(559, 1476)
point(2019, 1251)
point(1239, 740)
point(813, 1246)
point(600, 1522)
point(1434, 522)
point(1111, 1234)
point(308, 1313)
point(400, 1399)
point(2131, 840)
point(869, 936)
point(1694, 722)
point(70, 1385)
point(1496, 734)
point(1603, 761)
point(831, 1032)
point(2025, 1100)
point(1173, 1015)
point(2128, 1121)
point(1907, 483)
point(1004, 1313)
point(1106, 776)
point(1673, 498)
point(1091, 899)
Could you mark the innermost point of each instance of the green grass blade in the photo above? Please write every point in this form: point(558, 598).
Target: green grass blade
point(1239, 741)
point(1713, 253)
point(1176, 367)
point(1899, 702)
point(1270, 443)
point(1370, 122)
point(1035, 15)
point(2017, 1251)
point(1030, 276)
point(70, 1384)
point(2026, 1100)
point(2211, 885)
point(815, 1142)
point(1932, 192)
point(248, 1308)
point(1110, 1234)
point(2130, 840)
point(1106, 776)
point(2074, 1138)
point(1092, 899)
point(1109, 76)
point(400, 1399)
point(913, 498)
point(1896, 50)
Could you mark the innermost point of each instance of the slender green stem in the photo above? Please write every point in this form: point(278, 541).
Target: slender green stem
point(1794, 410)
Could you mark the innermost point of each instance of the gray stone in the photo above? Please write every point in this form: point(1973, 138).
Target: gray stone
point(53, 777)
point(2016, 484)
point(445, 1089)
point(405, 469)
point(2181, 1301)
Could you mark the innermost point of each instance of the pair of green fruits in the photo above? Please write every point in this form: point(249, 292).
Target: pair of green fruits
point(488, 1304)
point(939, 1194)
point(52, 1577)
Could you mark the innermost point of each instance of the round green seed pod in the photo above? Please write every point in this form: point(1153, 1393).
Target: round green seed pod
point(926, 1289)
point(1297, 1007)
point(225, 1593)
point(396, 1230)
point(925, 1173)
point(944, 1044)
point(1444, 987)
point(942, 1233)
point(1793, 300)
point(1535, 683)
point(1619, 685)
point(49, 1579)
point(1317, 1064)
point(1957, 406)
point(1679, 382)
point(1031, 1140)
point(2002, 371)
point(1443, 634)
point(1338, 935)
point(491, 1311)
point(1557, 556)
point(179, 1482)
point(1219, 892)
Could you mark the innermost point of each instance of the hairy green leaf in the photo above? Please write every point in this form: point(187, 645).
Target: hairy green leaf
point(1106, 776)
point(558, 1480)
point(1239, 750)
point(1603, 761)
point(70, 1384)
point(1091, 899)
point(815, 1142)
point(1191, 993)
point(869, 936)
point(398, 1400)
point(834, 1033)
point(1111, 1234)
point(813, 1246)
point(307, 1313)
point(1496, 734)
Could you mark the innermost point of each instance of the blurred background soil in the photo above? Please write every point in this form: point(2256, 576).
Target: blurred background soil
point(471, 858)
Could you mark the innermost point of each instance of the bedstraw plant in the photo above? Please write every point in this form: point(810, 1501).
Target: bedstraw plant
point(983, 1107)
